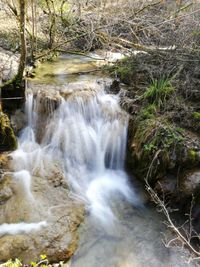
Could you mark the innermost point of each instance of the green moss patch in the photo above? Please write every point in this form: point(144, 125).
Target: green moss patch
point(8, 140)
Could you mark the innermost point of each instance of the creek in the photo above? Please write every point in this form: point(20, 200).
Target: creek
point(76, 129)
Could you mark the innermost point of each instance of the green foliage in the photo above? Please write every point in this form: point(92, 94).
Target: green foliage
point(42, 263)
point(7, 138)
point(157, 134)
point(158, 92)
point(192, 154)
point(196, 115)
point(124, 72)
point(124, 69)
point(148, 112)
point(12, 263)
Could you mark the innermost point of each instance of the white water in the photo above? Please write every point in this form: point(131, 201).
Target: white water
point(21, 228)
point(86, 138)
point(24, 178)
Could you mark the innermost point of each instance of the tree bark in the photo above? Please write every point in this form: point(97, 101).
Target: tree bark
point(22, 63)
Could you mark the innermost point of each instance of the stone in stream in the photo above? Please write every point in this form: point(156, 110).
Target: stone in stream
point(50, 202)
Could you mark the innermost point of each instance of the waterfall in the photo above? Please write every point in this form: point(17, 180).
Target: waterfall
point(85, 136)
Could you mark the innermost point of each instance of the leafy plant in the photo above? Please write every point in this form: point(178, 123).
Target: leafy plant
point(42, 263)
point(12, 263)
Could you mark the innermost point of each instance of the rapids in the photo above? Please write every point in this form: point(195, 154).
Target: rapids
point(83, 134)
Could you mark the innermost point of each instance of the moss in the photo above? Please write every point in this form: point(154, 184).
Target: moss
point(192, 155)
point(156, 143)
point(196, 115)
point(8, 140)
point(148, 112)
point(124, 69)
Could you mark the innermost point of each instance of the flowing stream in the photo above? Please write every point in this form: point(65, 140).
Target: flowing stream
point(83, 133)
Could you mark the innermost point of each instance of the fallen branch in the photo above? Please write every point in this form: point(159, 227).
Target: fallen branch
point(148, 49)
point(185, 239)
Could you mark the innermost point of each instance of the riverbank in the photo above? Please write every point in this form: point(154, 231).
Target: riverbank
point(161, 95)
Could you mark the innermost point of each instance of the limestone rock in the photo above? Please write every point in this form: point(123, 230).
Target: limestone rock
point(8, 65)
point(5, 189)
point(50, 202)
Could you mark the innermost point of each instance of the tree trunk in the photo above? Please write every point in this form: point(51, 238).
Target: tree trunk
point(22, 63)
point(33, 30)
point(13, 92)
point(52, 18)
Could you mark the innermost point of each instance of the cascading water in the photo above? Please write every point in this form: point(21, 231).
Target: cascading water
point(86, 137)
point(76, 137)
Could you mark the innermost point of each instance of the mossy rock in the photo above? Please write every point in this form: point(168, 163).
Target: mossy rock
point(8, 140)
point(157, 146)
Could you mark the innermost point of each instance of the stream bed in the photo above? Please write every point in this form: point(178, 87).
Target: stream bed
point(77, 131)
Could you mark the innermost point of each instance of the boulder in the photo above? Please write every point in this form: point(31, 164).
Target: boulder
point(8, 65)
point(190, 183)
point(49, 203)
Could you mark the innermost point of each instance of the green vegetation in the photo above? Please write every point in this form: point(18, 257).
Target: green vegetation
point(156, 138)
point(42, 263)
point(157, 134)
point(148, 112)
point(196, 115)
point(159, 92)
point(124, 69)
point(8, 140)
point(12, 263)
point(192, 154)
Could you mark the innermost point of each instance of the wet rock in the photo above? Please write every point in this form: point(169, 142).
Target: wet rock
point(58, 239)
point(5, 189)
point(5, 194)
point(47, 101)
point(65, 93)
point(115, 87)
point(190, 183)
point(18, 120)
point(167, 185)
point(4, 159)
